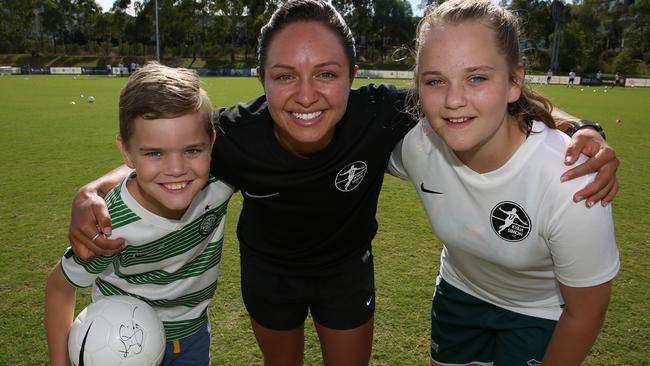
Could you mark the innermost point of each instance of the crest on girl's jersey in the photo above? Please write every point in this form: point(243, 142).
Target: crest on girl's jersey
point(350, 176)
point(509, 221)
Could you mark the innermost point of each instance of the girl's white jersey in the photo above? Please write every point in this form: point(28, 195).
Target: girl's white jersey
point(509, 235)
point(170, 264)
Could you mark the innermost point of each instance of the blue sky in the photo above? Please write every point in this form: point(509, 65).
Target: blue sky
point(414, 6)
point(105, 4)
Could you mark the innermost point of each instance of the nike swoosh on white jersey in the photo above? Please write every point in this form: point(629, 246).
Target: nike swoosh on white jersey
point(261, 195)
point(428, 190)
point(140, 255)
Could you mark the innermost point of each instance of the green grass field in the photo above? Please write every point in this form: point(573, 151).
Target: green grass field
point(50, 147)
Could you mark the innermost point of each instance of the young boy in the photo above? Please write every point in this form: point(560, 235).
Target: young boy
point(170, 212)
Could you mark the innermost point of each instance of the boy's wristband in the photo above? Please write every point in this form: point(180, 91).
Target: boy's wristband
point(584, 123)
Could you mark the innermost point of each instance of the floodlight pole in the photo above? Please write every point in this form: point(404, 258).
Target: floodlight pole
point(157, 36)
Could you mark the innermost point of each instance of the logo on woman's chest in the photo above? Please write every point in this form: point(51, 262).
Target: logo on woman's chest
point(349, 178)
point(510, 221)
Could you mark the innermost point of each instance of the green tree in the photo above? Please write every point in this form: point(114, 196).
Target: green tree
point(358, 15)
point(119, 22)
point(142, 30)
point(231, 12)
point(572, 47)
point(623, 63)
point(103, 30)
point(392, 24)
point(590, 15)
point(537, 27)
point(17, 25)
point(84, 14)
point(56, 20)
point(257, 14)
point(637, 34)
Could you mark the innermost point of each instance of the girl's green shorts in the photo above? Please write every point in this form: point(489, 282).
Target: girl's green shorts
point(467, 330)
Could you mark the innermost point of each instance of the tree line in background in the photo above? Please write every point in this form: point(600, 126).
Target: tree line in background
point(591, 35)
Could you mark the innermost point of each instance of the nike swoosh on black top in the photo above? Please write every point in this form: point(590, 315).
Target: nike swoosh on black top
point(251, 195)
point(428, 190)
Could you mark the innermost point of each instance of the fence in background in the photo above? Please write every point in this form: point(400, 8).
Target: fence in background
point(361, 73)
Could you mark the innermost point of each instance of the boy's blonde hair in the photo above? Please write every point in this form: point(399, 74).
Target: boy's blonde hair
point(531, 105)
point(158, 91)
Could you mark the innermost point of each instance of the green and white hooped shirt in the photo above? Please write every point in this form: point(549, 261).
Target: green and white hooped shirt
point(170, 264)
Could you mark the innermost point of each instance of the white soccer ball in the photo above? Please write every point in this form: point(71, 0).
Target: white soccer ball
point(117, 331)
point(91, 99)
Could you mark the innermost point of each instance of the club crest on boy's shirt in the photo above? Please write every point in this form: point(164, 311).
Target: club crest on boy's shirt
point(208, 223)
point(349, 178)
point(510, 221)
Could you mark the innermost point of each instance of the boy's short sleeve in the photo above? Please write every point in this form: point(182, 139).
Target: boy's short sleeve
point(82, 273)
